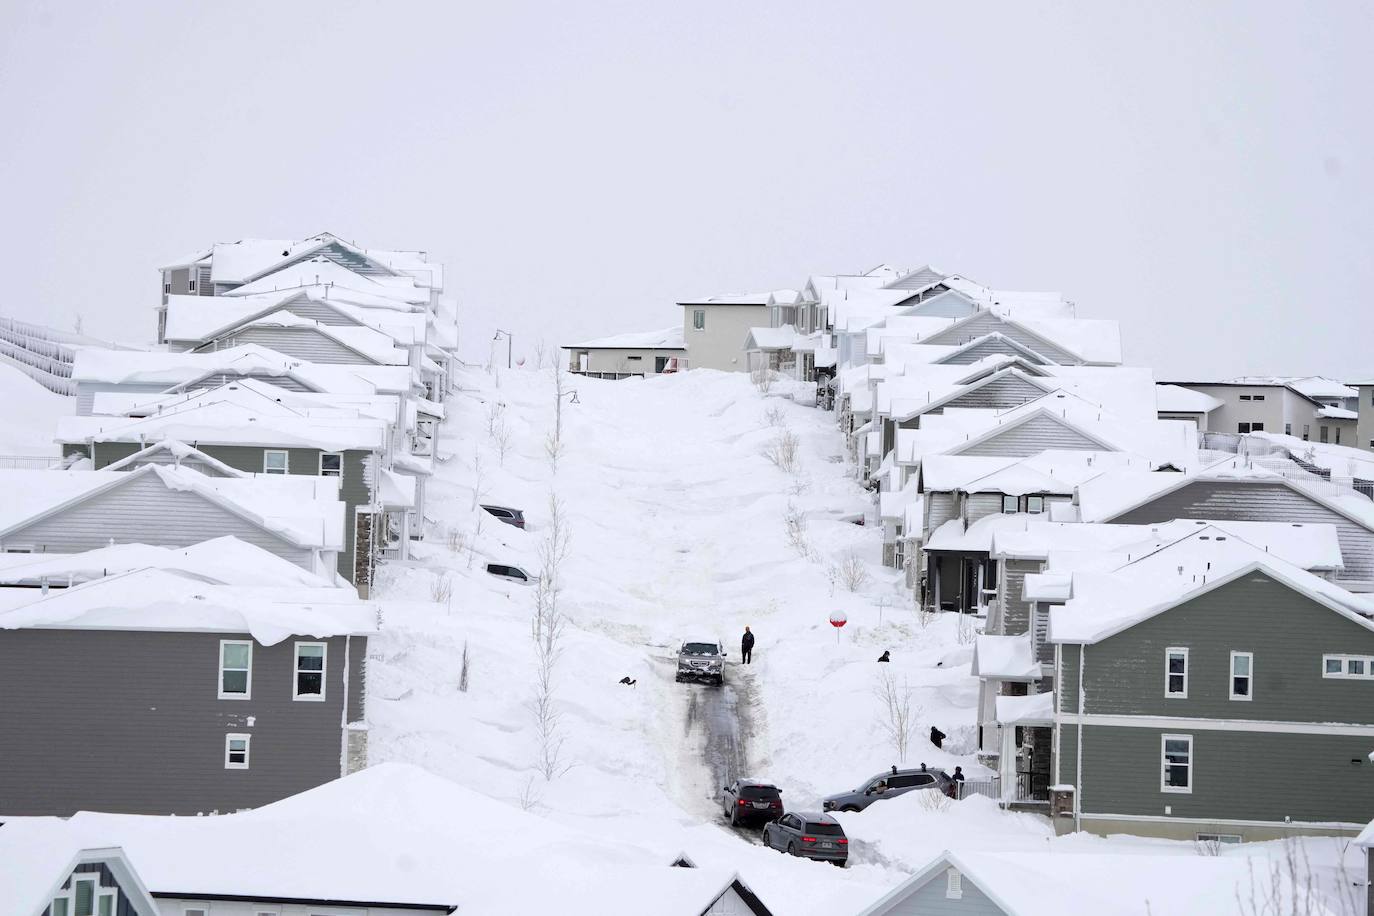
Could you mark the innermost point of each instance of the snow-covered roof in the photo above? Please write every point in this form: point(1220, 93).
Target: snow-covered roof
point(1004, 657)
point(1032, 709)
point(754, 298)
point(666, 339)
point(179, 452)
point(1094, 883)
point(1177, 399)
point(303, 509)
point(140, 367)
point(39, 860)
point(199, 318)
point(1337, 413)
point(1366, 837)
point(324, 272)
point(780, 338)
point(219, 561)
point(1105, 603)
point(166, 600)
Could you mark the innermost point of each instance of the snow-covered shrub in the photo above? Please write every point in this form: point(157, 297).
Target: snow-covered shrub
point(784, 451)
point(441, 589)
point(546, 629)
point(773, 416)
point(794, 522)
point(852, 572)
point(463, 670)
point(763, 378)
point(934, 800)
point(500, 437)
point(456, 540)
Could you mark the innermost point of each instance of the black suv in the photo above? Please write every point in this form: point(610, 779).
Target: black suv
point(748, 801)
point(510, 516)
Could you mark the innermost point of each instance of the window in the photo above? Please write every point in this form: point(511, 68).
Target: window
point(1259, 397)
point(1256, 427)
point(1242, 667)
point(1218, 838)
point(1338, 435)
point(1245, 397)
point(1288, 429)
point(1035, 504)
point(1010, 504)
point(167, 288)
point(699, 319)
point(1325, 433)
point(235, 669)
point(660, 363)
point(954, 884)
point(1306, 431)
point(84, 897)
point(1242, 427)
point(1177, 753)
point(191, 284)
point(331, 464)
point(634, 358)
point(236, 751)
point(275, 461)
point(1176, 673)
point(1360, 667)
point(310, 669)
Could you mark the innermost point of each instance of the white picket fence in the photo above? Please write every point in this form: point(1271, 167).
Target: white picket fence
point(43, 354)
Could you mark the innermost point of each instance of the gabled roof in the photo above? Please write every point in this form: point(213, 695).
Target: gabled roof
point(1091, 340)
point(1106, 603)
point(322, 271)
point(1176, 399)
point(303, 510)
point(754, 298)
point(40, 856)
point(219, 561)
point(666, 339)
point(197, 319)
point(373, 346)
point(179, 451)
point(1026, 352)
point(962, 390)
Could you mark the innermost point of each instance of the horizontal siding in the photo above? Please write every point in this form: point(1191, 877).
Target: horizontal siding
point(1288, 634)
point(981, 505)
point(1016, 613)
point(1005, 392)
point(131, 722)
point(1236, 775)
point(1031, 438)
point(1260, 502)
point(930, 900)
point(983, 351)
point(144, 511)
point(988, 323)
point(300, 343)
point(940, 508)
point(86, 392)
point(224, 378)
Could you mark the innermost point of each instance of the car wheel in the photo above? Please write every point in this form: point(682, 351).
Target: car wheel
point(791, 848)
point(840, 862)
point(734, 817)
point(850, 809)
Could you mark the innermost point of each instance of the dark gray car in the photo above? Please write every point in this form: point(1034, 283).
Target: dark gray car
point(513, 573)
point(514, 517)
point(747, 801)
point(888, 785)
point(809, 836)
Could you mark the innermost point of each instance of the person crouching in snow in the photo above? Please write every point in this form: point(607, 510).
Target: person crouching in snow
point(746, 647)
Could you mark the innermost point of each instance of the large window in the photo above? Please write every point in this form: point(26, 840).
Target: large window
point(236, 751)
point(310, 667)
point(1360, 667)
point(1242, 675)
point(1010, 504)
point(84, 897)
point(1177, 770)
point(1325, 433)
point(331, 464)
point(1176, 673)
point(1035, 504)
point(235, 669)
point(275, 461)
point(699, 319)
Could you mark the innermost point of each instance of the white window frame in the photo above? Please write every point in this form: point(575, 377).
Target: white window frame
point(1249, 677)
point(701, 313)
point(1035, 511)
point(1168, 653)
point(296, 672)
point(323, 473)
point(247, 751)
point(1345, 660)
point(1164, 765)
point(954, 884)
point(220, 669)
point(285, 460)
point(68, 895)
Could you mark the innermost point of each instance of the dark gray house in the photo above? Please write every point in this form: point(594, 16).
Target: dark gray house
point(1187, 682)
point(1366, 840)
point(210, 698)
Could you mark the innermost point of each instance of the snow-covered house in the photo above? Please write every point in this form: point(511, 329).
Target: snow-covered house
point(155, 692)
point(714, 329)
point(1187, 678)
point(1093, 884)
point(1315, 408)
point(1366, 841)
point(629, 355)
point(48, 873)
point(258, 429)
point(300, 519)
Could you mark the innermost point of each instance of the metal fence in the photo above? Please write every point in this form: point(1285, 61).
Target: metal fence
point(29, 463)
point(40, 353)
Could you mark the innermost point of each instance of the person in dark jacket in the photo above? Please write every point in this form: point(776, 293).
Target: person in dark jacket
point(886, 656)
point(936, 736)
point(746, 647)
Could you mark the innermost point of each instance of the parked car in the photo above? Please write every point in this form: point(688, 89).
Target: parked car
point(508, 515)
point(748, 801)
point(809, 836)
point(513, 573)
point(888, 785)
point(701, 660)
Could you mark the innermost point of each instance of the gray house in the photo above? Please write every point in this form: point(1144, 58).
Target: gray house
point(297, 519)
point(241, 429)
point(49, 873)
point(211, 698)
point(1366, 840)
point(1186, 682)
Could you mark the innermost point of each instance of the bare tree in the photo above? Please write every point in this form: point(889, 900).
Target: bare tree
point(897, 717)
point(501, 438)
point(441, 589)
point(1288, 886)
point(784, 451)
point(456, 540)
point(494, 412)
point(553, 443)
point(463, 670)
point(529, 795)
point(773, 416)
point(794, 523)
point(546, 630)
point(541, 353)
point(965, 631)
point(763, 378)
point(851, 572)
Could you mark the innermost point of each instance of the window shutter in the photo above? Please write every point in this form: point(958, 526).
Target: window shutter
point(954, 885)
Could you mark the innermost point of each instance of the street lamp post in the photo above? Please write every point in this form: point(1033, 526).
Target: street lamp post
point(510, 340)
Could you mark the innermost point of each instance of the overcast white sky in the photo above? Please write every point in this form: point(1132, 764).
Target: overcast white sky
point(1203, 172)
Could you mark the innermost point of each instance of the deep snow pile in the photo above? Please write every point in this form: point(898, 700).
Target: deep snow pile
point(30, 415)
point(678, 530)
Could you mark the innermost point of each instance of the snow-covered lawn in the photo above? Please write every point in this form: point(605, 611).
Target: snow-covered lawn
point(677, 530)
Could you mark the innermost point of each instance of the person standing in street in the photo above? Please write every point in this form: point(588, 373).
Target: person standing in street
point(746, 647)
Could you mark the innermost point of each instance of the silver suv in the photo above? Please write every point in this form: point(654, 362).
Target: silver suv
point(701, 660)
point(889, 785)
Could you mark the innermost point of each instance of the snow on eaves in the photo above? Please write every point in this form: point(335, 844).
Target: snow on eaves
point(1177, 399)
point(1005, 657)
point(666, 339)
point(219, 561)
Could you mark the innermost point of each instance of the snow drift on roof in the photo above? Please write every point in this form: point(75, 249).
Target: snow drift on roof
point(666, 339)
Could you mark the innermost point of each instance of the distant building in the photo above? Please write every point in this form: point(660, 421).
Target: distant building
point(1313, 408)
point(715, 329)
point(628, 355)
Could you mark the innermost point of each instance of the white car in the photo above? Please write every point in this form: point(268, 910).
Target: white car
point(701, 660)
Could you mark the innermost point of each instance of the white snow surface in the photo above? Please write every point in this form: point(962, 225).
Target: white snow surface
point(27, 417)
point(666, 339)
